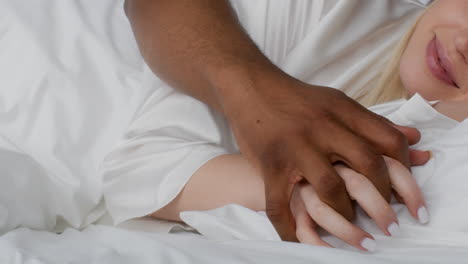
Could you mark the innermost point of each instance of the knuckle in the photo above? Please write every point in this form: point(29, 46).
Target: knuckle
point(395, 141)
point(319, 116)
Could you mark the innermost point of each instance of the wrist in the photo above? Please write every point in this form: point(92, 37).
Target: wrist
point(240, 87)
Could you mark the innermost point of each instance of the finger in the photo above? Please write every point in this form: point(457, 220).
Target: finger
point(305, 226)
point(419, 158)
point(404, 183)
point(306, 231)
point(367, 196)
point(361, 156)
point(398, 197)
point(278, 192)
point(334, 223)
point(382, 135)
point(412, 134)
point(329, 186)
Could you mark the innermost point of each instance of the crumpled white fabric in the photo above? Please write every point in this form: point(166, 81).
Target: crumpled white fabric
point(71, 77)
point(443, 181)
point(337, 43)
point(444, 178)
point(425, 2)
point(108, 245)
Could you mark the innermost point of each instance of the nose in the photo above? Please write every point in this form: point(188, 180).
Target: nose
point(461, 43)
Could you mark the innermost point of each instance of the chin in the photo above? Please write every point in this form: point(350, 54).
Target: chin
point(410, 91)
point(425, 89)
point(412, 88)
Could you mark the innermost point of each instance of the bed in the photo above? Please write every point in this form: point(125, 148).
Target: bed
point(72, 82)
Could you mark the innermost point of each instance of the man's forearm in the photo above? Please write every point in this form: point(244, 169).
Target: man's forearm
point(198, 47)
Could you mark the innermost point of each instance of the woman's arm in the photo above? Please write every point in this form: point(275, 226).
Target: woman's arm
point(223, 180)
point(231, 179)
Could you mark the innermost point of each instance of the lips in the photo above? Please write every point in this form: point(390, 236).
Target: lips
point(439, 64)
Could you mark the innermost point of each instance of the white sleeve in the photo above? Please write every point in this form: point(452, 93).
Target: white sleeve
point(171, 137)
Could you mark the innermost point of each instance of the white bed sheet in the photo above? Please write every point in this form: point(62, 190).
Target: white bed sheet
point(71, 81)
point(103, 244)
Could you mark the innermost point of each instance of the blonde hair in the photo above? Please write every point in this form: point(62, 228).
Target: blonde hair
point(389, 85)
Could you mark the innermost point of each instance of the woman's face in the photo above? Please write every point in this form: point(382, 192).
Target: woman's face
point(435, 62)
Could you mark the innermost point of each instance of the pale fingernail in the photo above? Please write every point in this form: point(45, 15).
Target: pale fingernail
point(431, 155)
point(369, 244)
point(394, 229)
point(423, 215)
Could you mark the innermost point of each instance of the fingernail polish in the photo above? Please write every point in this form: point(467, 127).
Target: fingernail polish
point(394, 229)
point(423, 215)
point(369, 244)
